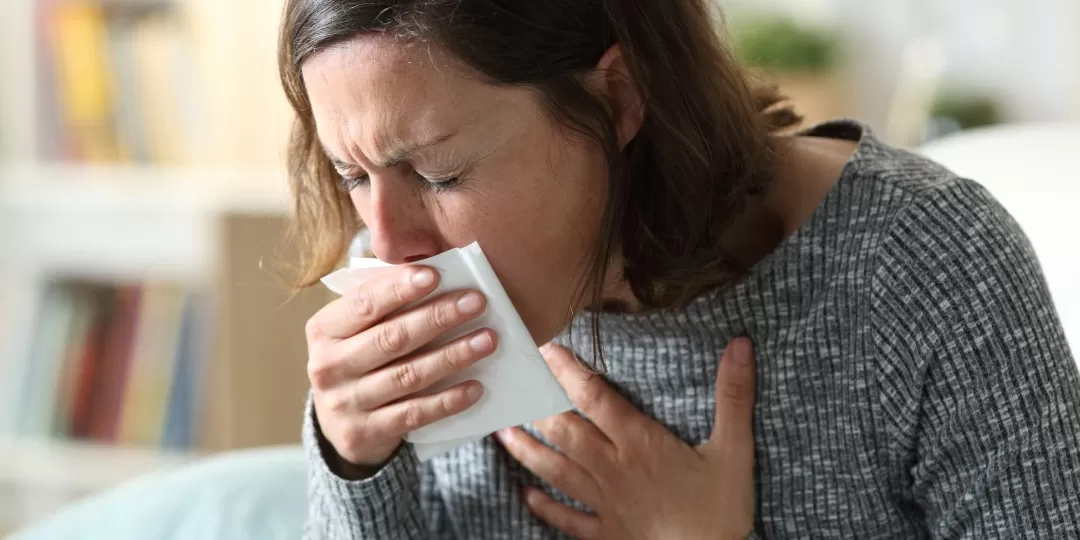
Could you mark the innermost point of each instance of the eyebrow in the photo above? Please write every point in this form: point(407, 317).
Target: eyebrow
point(396, 156)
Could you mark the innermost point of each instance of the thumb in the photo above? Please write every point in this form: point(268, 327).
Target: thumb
point(736, 381)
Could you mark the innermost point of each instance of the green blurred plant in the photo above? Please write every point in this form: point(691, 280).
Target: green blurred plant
point(954, 110)
point(779, 44)
point(967, 110)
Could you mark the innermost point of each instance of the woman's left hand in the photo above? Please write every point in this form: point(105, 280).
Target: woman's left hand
point(642, 481)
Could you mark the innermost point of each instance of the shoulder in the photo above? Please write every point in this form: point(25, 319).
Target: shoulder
point(916, 228)
point(950, 263)
point(960, 313)
point(951, 270)
point(951, 248)
point(928, 232)
point(958, 297)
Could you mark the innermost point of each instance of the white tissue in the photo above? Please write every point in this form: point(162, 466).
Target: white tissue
point(518, 386)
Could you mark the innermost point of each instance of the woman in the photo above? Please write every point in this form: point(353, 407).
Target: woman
point(613, 160)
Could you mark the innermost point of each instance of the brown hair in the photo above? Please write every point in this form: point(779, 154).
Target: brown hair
point(704, 146)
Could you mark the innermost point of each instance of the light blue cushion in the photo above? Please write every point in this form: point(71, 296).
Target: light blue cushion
point(252, 494)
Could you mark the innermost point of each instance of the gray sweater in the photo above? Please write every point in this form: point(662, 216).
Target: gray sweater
point(913, 382)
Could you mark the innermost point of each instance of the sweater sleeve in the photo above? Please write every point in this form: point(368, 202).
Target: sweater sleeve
point(400, 501)
point(981, 391)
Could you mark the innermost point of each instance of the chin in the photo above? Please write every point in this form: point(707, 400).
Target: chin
point(542, 326)
point(541, 331)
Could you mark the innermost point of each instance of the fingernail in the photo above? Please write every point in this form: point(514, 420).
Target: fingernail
point(423, 278)
point(503, 435)
point(480, 343)
point(470, 304)
point(474, 391)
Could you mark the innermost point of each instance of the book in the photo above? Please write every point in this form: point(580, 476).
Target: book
point(153, 356)
point(111, 379)
point(44, 363)
point(78, 34)
point(117, 84)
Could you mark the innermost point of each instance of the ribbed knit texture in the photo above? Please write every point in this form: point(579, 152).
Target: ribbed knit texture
point(913, 382)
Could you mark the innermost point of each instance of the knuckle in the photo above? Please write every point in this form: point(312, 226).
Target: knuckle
point(407, 377)
point(392, 338)
point(558, 477)
point(647, 444)
point(737, 392)
point(313, 330)
point(591, 394)
point(353, 439)
point(639, 431)
point(443, 315)
point(320, 372)
point(557, 432)
point(336, 404)
point(361, 304)
point(401, 291)
point(413, 417)
point(454, 358)
point(448, 404)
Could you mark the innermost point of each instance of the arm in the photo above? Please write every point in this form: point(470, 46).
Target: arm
point(399, 501)
point(979, 383)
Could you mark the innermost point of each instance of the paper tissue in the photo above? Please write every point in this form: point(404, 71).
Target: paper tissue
point(518, 386)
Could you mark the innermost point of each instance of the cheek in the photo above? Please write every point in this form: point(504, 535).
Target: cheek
point(539, 230)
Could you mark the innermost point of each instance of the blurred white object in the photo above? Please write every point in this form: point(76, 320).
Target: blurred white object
point(921, 68)
point(1034, 171)
point(518, 386)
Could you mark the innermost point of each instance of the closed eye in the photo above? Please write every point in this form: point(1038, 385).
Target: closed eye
point(439, 185)
point(350, 182)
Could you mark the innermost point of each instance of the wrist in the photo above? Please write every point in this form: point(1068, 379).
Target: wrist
point(343, 468)
point(353, 472)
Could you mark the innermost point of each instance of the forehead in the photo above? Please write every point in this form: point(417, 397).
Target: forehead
point(376, 91)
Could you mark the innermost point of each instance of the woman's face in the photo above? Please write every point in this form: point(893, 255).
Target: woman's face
point(436, 159)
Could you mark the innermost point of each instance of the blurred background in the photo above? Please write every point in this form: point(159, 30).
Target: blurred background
point(142, 199)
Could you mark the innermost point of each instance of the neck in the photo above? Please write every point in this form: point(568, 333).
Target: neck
point(808, 170)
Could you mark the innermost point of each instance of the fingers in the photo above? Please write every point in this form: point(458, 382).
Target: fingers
point(736, 381)
point(394, 421)
point(596, 399)
point(572, 522)
point(371, 302)
point(412, 375)
point(395, 337)
point(581, 441)
point(368, 439)
point(553, 467)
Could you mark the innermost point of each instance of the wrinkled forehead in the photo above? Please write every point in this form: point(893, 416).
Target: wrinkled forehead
point(378, 92)
point(375, 90)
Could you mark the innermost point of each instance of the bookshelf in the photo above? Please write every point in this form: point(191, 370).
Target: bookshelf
point(109, 226)
point(200, 216)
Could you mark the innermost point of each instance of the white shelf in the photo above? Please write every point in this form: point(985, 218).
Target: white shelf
point(37, 478)
point(126, 187)
point(124, 222)
point(74, 467)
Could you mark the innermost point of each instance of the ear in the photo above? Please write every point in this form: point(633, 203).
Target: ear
point(611, 80)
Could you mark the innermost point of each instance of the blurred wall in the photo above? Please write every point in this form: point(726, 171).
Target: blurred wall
point(250, 114)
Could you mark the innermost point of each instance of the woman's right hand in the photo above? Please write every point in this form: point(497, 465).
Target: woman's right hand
point(364, 364)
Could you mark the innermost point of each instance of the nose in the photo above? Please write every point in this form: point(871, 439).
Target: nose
point(399, 226)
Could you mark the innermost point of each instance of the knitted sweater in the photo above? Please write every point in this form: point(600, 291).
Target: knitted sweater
point(913, 382)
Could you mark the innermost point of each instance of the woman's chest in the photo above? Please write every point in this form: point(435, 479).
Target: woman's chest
point(817, 468)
